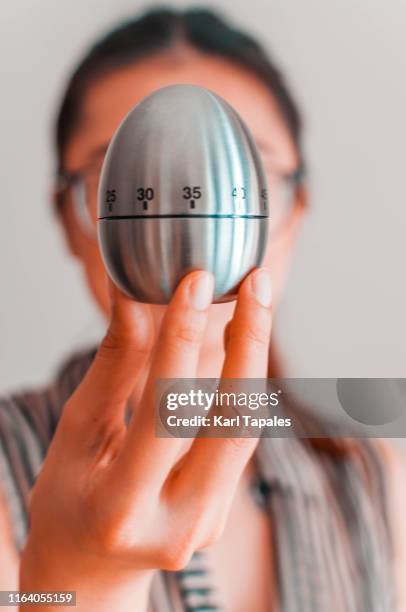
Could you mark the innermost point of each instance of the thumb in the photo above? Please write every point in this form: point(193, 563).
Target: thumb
point(119, 360)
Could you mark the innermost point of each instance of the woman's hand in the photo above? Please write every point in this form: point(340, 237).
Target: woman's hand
point(112, 502)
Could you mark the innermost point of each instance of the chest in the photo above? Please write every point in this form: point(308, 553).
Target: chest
point(242, 560)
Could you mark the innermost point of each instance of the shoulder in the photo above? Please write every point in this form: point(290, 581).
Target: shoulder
point(394, 462)
point(32, 414)
point(28, 420)
point(49, 397)
point(380, 468)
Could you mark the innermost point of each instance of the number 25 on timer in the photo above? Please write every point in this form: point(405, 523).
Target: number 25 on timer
point(111, 197)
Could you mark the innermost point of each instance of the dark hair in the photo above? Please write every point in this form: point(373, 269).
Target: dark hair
point(158, 29)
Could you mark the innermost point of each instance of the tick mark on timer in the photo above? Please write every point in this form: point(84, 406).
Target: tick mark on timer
point(192, 203)
point(145, 205)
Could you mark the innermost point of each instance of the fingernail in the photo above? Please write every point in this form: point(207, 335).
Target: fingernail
point(201, 291)
point(262, 287)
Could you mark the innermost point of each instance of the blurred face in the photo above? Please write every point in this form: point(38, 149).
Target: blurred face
point(107, 101)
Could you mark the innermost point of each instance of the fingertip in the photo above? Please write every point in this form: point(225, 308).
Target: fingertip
point(261, 284)
point(258, 284)
point(197, 288)
point(201, 290)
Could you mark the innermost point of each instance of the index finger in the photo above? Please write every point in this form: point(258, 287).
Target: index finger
point(176, 355)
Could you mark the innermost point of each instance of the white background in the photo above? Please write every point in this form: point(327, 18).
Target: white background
point(343, 313)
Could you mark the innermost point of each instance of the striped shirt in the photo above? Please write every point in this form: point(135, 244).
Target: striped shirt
point(326, 503)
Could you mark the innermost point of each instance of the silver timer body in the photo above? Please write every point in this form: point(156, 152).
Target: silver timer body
point(182, 188)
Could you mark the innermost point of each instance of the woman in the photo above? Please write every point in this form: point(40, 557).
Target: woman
point(130, 521)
